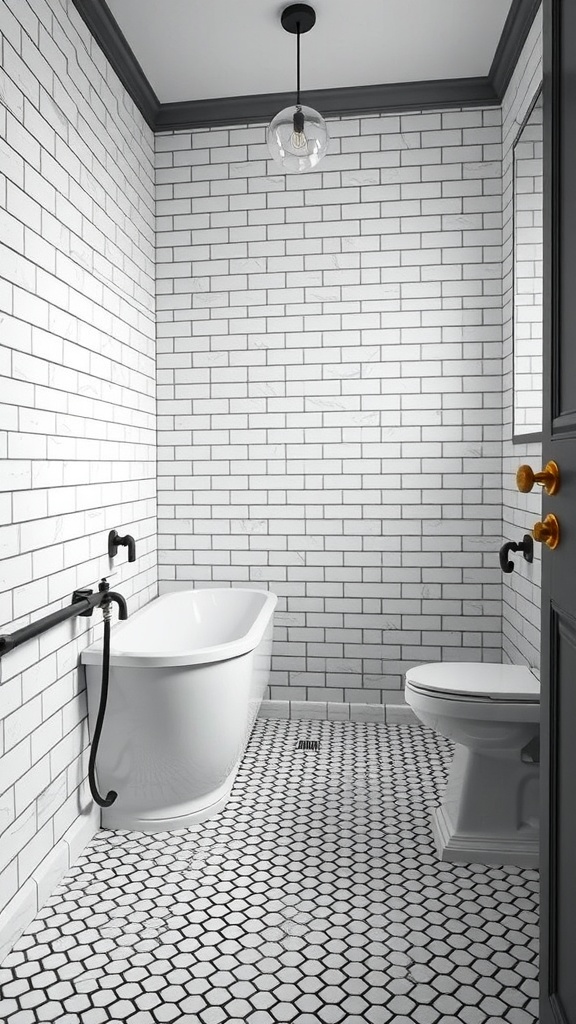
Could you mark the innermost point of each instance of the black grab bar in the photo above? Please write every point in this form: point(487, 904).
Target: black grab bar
point(83, 603)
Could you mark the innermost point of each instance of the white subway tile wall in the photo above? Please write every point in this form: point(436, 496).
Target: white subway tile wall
point(330, 391)
point(521, 589)
point(528, 275)
point(77, 402)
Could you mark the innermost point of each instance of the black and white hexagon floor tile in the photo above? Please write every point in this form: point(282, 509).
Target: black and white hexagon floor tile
point(315, 896)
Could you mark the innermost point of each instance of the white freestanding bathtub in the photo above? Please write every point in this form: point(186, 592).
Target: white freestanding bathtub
point(187, 675)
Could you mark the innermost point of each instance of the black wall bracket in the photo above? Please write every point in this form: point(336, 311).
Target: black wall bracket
point(83, 595)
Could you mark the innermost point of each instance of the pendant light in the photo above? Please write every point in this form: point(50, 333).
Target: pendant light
point(298, 136)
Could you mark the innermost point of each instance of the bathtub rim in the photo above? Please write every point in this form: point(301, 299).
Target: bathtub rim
point(92, 655)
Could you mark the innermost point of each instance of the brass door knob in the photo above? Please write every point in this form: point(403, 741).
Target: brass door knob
point(547, 532)
point(548, 478)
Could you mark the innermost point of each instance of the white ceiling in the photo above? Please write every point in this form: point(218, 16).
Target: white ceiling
point(200, 49)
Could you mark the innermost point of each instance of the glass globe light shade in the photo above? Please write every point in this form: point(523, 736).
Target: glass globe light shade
point(297, 138)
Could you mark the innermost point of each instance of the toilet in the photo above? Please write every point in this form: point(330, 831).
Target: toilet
point(489, 814)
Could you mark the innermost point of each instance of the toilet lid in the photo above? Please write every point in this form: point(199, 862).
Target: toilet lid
point(471, 679)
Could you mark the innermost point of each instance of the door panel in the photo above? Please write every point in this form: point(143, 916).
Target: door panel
point(561, 882)
point(558, 701)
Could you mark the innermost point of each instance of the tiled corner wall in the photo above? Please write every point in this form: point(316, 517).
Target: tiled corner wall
point(329, 353)
point(77, 412)
point(521, 589)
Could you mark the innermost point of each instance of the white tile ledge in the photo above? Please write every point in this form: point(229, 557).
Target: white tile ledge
point(31, 897)
point(389, 714)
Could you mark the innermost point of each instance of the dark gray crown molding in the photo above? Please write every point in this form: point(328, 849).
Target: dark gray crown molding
point(364, 99)
point(370, 99)
point(514, 35)
point(115, 47)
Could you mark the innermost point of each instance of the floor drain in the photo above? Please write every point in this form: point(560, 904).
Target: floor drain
point(308, 745)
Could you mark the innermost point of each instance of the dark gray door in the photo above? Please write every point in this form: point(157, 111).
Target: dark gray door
point(558, 928)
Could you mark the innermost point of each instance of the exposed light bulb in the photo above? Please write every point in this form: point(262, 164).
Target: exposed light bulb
point(298, 139)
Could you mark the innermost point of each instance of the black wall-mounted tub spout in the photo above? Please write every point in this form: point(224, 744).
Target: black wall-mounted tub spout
point(526, 546)
point(115, 541)
point(111, 595)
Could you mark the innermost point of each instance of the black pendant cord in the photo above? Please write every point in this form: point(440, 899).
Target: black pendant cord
point(298, 66)
point(111, 796)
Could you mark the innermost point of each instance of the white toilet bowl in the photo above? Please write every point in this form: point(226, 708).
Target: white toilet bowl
point(489, 814)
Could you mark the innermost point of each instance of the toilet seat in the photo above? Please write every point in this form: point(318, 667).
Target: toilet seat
point(475, 682)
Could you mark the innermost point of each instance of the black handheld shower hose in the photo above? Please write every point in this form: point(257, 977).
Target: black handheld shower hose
point(103, 801)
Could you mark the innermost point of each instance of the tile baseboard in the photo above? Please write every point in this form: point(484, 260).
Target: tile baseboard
point(385, 714)
point(31, 897)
